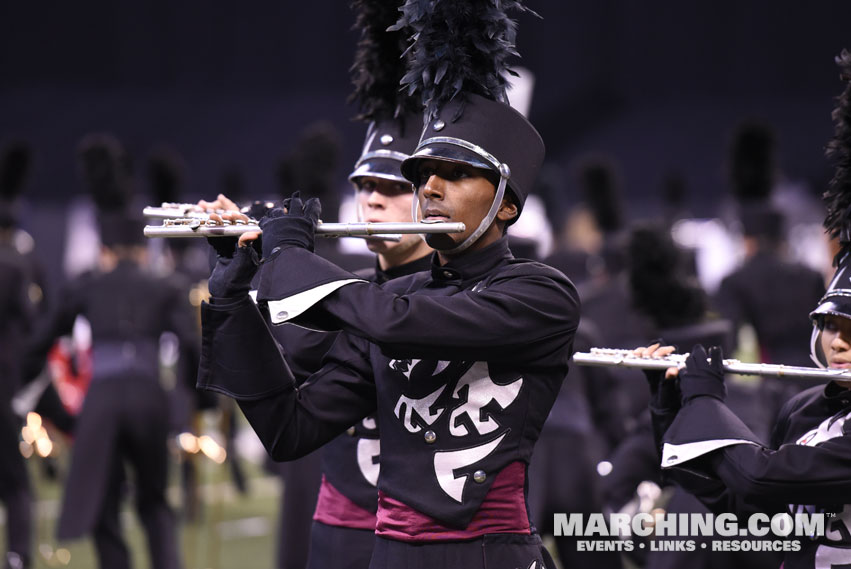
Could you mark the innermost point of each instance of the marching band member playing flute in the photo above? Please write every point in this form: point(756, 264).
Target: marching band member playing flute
point(461, 363)
point(343, 529)
point(807, 465)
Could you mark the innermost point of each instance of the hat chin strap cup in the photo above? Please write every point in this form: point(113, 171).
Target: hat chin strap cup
point(816, 353)
point(504, 175)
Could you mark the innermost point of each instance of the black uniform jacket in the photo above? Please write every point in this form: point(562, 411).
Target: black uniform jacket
point(806, 469)
point(350, 461)
point(464, 362)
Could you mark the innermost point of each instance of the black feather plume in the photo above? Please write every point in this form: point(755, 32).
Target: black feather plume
point(752, 167)
point(379, 64)
point(165, 172)
point(600, 186)
point(838, 194)
point(106, 169)
point(14, 167)
point(658, 285)
point(460, 47)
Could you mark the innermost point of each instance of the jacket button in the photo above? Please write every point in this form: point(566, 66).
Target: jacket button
point(480, 476)
point(282, 314)
point(430, 437)
point(350, 431)
point(275, 250)
point(447, 274)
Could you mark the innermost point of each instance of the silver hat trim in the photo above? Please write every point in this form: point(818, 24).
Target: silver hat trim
point(381, 153)
point(463, 144)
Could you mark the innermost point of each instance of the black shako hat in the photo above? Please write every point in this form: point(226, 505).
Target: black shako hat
point(489, 135)
point(388, 143)
point(458, 63)
point(837, 302)
point(837, 299)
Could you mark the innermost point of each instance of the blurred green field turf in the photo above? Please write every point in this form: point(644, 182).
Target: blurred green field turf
point(232, 531)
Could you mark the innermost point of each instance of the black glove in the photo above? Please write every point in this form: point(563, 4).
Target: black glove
point(231, 277)
point(664, 393)
point(293, 228)
point(702, 377)
point(664, 401)
point(223, 246)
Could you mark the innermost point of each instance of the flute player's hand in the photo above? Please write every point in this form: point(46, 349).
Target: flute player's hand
point(231, 277)
point(664, 388)
point(221, 202)
point(294, 225)
point(665, 393)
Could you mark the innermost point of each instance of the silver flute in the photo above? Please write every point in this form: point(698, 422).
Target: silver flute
point(626, 358)
point(188, 227)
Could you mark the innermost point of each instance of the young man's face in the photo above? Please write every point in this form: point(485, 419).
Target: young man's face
point(836, 341)
point(381, 200)
point(454, 192)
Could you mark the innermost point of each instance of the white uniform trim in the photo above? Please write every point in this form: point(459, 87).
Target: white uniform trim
point(673, 455)
point(290, 307)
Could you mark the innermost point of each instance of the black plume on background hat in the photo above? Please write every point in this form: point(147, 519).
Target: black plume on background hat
point(311, 166)
point(166, 174)
point(837, 299)
point(14, 167)
point(379, 64)
point(459, 61)
point(658, 282)
point(394, 115)
point(231, 182)
point(838, 194)
point(752, 161)
point(106, 170)
point(599, 183)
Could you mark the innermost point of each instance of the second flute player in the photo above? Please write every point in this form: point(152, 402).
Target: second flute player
point(462, 363)
point(806, 468)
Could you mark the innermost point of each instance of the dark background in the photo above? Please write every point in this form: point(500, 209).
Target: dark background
point(658, 85)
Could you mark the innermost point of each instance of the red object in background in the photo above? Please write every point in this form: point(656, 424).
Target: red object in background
point(71, 369)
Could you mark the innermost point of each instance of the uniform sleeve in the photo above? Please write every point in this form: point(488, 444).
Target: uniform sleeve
point(717, 497)
point(303, 349)
point(520, 315)
point(240, 358)
point(791, 474)
point(745, 471)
